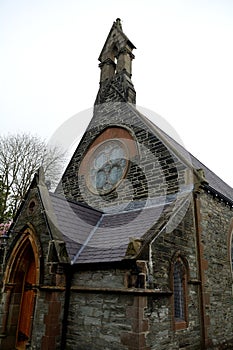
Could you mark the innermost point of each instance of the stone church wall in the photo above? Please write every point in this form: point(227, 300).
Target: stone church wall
point(88, 309)
point(98, 310)
point(154, 171)
point(49, 290)
point(216, 235)
point(103, 316)
point(96, 321)
point(180, 242)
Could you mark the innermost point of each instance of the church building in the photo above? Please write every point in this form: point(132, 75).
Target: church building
point(133, 250)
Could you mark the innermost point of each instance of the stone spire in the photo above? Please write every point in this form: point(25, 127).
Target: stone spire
point(116, 68)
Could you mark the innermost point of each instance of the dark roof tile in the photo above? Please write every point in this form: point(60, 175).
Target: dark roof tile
point(96, 237)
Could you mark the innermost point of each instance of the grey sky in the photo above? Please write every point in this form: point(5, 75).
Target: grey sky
point(182, 69)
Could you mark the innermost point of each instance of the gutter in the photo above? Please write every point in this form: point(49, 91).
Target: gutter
point(216, 194)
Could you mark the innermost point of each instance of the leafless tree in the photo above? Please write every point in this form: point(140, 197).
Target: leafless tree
point(20, 156)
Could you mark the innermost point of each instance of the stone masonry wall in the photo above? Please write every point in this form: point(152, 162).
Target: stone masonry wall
point(120, 88)
point(182, 241)
point(98, 319)
point(154, 172)
point(104, 313)
point(216, 227)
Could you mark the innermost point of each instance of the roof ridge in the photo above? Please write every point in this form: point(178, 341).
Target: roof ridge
point(223, 187)
point(185, 149)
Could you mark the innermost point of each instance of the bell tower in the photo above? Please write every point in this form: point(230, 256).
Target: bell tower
point(116, 68)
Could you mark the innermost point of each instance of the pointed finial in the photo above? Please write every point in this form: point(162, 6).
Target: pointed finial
point(40, 175)
point(118, 23)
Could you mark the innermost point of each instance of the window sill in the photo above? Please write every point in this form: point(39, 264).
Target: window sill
point(178, 325)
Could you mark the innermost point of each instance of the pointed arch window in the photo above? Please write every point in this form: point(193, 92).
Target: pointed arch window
point(179, 294)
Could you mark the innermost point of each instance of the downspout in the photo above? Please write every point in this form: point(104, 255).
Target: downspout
point(150, 262)
point(69, 277)
point(197, 213)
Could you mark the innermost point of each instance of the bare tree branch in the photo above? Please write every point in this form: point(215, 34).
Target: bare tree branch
point(20, 156)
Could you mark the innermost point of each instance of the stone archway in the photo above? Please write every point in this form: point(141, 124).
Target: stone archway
point(22, 278)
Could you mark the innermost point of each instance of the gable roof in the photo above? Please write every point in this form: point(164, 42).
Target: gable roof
point(92, 236)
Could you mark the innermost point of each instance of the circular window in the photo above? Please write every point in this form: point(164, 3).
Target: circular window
point(107, 166)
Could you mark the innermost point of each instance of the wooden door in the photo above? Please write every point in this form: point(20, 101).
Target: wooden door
point(27, 299)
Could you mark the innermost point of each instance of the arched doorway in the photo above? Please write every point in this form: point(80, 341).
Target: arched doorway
point(22, 278)
point(25, 283)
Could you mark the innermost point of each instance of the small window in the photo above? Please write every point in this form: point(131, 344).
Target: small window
point(230, 246)
point(32, 206)
point(231, 254)
point(231, 257)
point(179, 294)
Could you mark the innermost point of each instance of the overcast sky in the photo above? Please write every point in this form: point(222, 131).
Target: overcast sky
point(183, 67)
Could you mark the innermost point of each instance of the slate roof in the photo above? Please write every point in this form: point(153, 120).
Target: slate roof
point(111, 237)
point(75, 221)
point(214, 181)
point(92, 236)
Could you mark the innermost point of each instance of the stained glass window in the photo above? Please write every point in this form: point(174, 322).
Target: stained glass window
point(108, 166)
